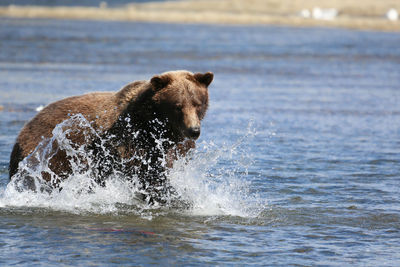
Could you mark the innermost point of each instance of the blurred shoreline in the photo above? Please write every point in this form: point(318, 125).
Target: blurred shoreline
point(371, 15)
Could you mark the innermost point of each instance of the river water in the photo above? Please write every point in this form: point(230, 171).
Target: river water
point(298, 162)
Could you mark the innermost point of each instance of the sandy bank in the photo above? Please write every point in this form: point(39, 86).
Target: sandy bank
point(349, 14)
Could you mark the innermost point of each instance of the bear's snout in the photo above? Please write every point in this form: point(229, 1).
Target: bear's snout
point(193, 132)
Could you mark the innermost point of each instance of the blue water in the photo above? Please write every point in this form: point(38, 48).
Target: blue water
point(298, 162)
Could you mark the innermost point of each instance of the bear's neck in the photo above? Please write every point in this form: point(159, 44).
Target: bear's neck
point(140, 123)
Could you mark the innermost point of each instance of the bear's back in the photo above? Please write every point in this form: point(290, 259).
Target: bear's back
point(42, 125)
point(100, 109)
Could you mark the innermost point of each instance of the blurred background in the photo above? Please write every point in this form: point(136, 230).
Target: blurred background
point(374, 15)
point(299, 158)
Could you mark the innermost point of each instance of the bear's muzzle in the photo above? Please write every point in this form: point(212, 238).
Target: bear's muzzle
point(193, 132)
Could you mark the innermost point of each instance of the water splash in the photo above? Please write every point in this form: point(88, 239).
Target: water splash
point(212, 179)
point(216, 180)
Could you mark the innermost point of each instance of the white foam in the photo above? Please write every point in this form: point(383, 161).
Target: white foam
point(210, 187)
point(39, 108)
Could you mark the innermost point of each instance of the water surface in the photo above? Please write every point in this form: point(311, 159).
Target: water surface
point(298, 162)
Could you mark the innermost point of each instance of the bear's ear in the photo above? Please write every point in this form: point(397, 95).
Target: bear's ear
point(159, 82)
point(205, 78)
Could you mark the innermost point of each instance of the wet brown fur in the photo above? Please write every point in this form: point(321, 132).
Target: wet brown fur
point(180, 97)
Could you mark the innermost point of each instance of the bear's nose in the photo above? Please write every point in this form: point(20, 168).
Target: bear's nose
point(194, 132)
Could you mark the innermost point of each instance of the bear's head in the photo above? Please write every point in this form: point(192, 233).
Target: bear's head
point(181, 98)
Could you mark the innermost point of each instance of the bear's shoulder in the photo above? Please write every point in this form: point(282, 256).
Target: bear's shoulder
point(131, 92)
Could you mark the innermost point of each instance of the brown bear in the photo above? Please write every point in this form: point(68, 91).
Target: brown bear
point(143, 127)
